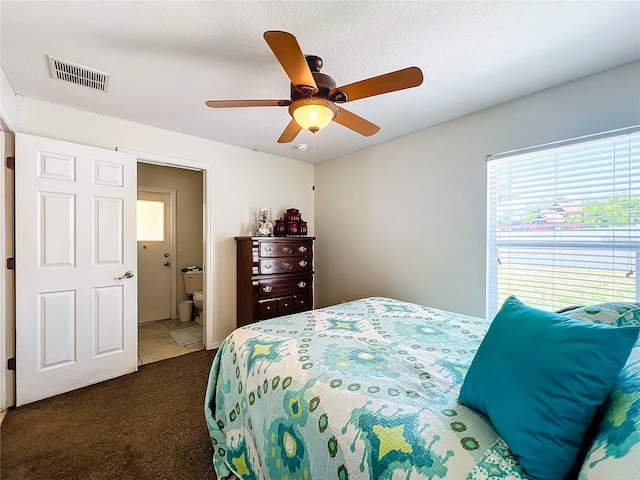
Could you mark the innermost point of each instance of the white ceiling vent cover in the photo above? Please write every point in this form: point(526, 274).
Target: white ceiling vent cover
point(70, 72)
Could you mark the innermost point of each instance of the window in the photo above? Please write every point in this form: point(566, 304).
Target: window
point(150, 221)
point(564, 222)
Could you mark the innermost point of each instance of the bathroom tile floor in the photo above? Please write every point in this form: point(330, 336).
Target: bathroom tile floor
point(154, 342)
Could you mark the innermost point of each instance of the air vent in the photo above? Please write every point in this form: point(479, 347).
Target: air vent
point(70, 72)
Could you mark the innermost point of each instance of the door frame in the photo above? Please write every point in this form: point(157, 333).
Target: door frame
point(7, 307)
point(4, 377)
point(173, 312)
point(207, 228)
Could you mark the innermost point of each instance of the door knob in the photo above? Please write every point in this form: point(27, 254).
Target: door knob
point(127, 274)
point(166, 264)
point(166, 255)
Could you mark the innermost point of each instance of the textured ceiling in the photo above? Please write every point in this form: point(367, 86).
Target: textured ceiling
point(167, 58)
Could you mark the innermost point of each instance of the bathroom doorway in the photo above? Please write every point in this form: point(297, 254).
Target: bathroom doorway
point(174, 201)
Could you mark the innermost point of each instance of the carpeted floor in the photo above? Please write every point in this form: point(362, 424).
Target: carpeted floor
point(145, 425)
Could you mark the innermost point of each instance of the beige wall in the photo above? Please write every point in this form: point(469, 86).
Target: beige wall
point(407, 218)
point(236, 189)
point(189, 203)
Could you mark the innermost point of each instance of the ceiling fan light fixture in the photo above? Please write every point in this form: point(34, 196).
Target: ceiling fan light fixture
point(313, 114)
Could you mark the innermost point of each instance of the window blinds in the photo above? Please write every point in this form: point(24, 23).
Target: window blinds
point(564, 223)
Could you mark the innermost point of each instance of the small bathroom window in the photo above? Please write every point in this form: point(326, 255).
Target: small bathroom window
point(150, 221)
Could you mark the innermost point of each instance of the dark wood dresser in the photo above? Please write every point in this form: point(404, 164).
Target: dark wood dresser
point(275, 277)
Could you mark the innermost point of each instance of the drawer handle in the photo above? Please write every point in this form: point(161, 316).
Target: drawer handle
point(267, 288)
point(302, 263)
point(302, 249)
point(267, 265)
point(267, 248)
point(286, 304)
point(302, 284)
point(268, 307)
point(286, 250)
point(286, 266)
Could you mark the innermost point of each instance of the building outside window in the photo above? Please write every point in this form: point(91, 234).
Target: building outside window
point(564, 222)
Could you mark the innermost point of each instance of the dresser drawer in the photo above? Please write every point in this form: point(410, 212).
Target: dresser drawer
point(280, 287)
point(302, 303)
point(284, 249)
point(286, 305)
point(271, 266)
point(268, 309)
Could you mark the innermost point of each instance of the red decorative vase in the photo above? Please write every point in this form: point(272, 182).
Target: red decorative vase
point(292, 215)
point(292, 228)
point(302, 228)
point(280, 229)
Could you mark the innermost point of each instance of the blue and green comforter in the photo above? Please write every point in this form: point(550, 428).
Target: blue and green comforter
point(365, 389)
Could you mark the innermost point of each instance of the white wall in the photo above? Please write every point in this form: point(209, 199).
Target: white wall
point(407, 218)
point(242, 181)
point(7, 101)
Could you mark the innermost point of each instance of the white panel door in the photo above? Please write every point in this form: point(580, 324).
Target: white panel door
point(154, 261)
point(76, 311)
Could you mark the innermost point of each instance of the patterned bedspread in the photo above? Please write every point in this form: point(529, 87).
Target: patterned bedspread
point(361, 390)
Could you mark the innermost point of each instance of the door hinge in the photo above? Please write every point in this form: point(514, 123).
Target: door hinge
point(11, 363)
point(11, 163)
point(11, 263)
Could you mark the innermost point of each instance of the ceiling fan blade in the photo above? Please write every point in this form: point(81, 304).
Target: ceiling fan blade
point(286, 49)
point(356, 123)
point(247, 103)
point(389, 82)
point(290, 132)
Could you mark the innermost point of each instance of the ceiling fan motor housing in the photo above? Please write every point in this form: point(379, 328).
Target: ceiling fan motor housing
point(324, 82)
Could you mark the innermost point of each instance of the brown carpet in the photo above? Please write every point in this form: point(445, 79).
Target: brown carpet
point(145, 425)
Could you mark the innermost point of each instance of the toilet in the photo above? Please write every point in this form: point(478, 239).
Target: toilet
point(193, 286)
point(198, 302)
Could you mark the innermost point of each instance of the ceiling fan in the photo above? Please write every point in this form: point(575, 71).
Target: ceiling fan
point(314, 95)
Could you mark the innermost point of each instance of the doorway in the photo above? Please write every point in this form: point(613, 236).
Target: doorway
point(170, 203)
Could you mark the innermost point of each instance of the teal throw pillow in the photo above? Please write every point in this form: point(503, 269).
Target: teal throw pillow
point(540, 376)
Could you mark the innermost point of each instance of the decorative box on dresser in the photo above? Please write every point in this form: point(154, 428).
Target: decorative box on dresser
point(275, 277)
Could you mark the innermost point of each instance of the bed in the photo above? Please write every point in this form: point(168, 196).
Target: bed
point(366, 389)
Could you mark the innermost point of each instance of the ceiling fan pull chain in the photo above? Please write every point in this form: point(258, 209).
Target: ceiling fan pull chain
point(313, 146)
